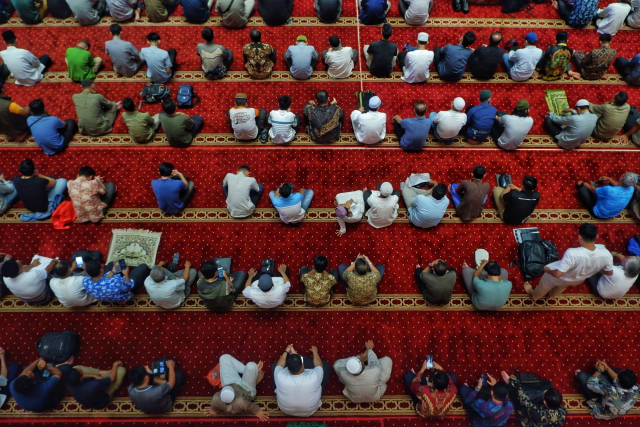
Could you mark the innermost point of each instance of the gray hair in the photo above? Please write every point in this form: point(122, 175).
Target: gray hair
point(632, 266)
point(157, 274)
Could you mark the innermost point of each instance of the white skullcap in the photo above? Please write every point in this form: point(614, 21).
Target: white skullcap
point(423, 37)
point(375, 102)
point(458, 103)
point(227, 394)
point(354, 365)
point(386, 189)
point(582, 103)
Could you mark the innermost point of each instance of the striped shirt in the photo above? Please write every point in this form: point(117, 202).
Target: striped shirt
point(282, 126)
point(368, 386)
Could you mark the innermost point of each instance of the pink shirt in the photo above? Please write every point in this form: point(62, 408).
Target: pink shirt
point(85, 196)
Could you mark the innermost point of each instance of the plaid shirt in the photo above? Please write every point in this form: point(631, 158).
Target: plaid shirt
point(615, 401)
point(109, 289)
point(487, 413)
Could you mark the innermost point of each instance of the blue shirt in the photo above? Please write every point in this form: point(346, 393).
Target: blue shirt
point(195, 11)
point(453, 62)
point(168, 194)
point(157, 63)
point(426, 211)
point(480, 118)
point(109, 289)
point(373, 12)
point(45, 131)
point(611, 200)
point(301, 56)
point(294, 198)
point(416, 132)
point(43, 396)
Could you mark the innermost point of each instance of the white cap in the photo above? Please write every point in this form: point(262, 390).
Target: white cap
point(386, 189)
point(227, 394)
point(374, 102)
point(582, 103)
point(354, 365)
point(458, 103)
point(423, 37)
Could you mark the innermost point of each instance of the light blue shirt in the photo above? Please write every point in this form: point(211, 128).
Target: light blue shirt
point(157, 63)
point(577, 128)
point(301, 56)
point(611, 200)
point(524, 62)
point(426, 211)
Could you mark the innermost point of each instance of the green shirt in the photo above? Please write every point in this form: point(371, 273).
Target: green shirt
point(490, 295)
point(140, 126)
point(177, 128)
point(611, 119)
point(95, 113)
point(218, 295)
point(80, 63)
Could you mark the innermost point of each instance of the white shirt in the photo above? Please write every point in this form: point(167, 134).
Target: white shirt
point(416, 66)
point(383, 210)
point(167, 294)
point(579, 263)
point(238, 202)
point(339, 63)
point(243, 122)
point(271, 299)
point(23, 65)
point(370, 128)
point(449, 123)
point(613, 17)
point(298, 395)
point(633, 20)
point(525, 61)
point(515, 129)
point(616, 285)
point(418, 12)
point(70, 291)
point(357, 208)
point(28, 285)
point(282, 123)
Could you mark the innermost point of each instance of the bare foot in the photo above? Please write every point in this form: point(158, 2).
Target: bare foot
point(535, 75)
point(554, 4)
point(260, 373)
point(528, 288)
point(577, 372)
point(417, 265)
point(574, 74)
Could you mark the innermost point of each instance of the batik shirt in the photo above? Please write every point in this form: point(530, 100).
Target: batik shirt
point(361, 290)
point(109, 289)
point(596, 63)
point(582, 13)
point(487, 413)
point(615, 401)
point(324, 122)
point(433, 403)
point(258, 64)
point(317, 288)
point(534, 415)
point(85, 195)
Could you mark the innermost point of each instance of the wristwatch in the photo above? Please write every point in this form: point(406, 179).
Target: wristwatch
point(599, 370)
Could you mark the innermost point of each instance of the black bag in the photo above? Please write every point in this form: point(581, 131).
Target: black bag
point(363, 99)
point(153, 92)
point(503, 180)
point(534, 255)
point(218, 73)
point(57, 347)
point(533, 386)
point(186, 97)
point(87, 256)
point(267, 266)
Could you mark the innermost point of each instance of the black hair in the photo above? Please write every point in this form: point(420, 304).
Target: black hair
point(244, 168)
point(439, 191)
point(115, 29)
point(468, 39)
point(492, 268)
point(294, 363)
point(241, 102)
point(72, 377)
point(10, 269)
point(520, 113)
point(27, 167)
point(285, 191)
point(23, 384)
point(500, 391)
point(209, 270)
point(479, 171)
point(334, 41)
point(588, 232)
point(362, 267)
point(562, 37)
point(320, 263)
point(86, 43)
point(87, 83)
point(387, 31)
point(605, 38)
point(627, 379)
point(553, 398)
point(93, 268)
point(153, 37)
point(495, 39)
point(420, 108)
point(440, 268)
point(621, 98)
point(529, 183)
point(440, 380)
point(128, 104)
point(86, 171)
point(255, 36)
point(207, 34)
point(37, 107)
point(168, 106)
point(61, 268)
point(322, 96)
point(137, 375)
point(165, 169)
point(284, 102)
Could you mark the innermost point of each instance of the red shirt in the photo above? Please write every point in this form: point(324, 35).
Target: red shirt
point(433, 403)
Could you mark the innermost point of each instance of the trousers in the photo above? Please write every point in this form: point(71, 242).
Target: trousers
point(232, 371)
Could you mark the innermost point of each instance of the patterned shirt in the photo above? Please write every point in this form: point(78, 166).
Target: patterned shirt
point(433, 403)
point(109, 289)
point(487, 413)
point(531, 414)
point(615, 401)
point(594, 64)
point(582, 13)
point(324, 122)
point(258, 64)
point(361, 290)
point(317, 288)
point(85, 195)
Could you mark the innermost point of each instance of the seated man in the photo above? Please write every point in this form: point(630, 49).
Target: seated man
point(480, 119)
point(267, 291)
point(301, 59)
point(258, 57)
point(607, 201)
point(470, 196)
point(488, 286)
point(299, 387)
point(8, 373)
point(169, 290)
point(593, 65)
point(364, 376)
point(436, 282)
point(556, 61)
point(142, 126)
point(488, 404)
point(34, 392)
point(318, 283)
point(242, 192)
point(284, 123)
point(611, 19)
point(37, 192)
point(521, 63)
point(415, 12)
point(95, 113)
point(426, 207)
point(275, 12)
point(618, 284)
point(369, 127)
point(50, 133)
point(215, 58)
point(24, 66)
point(350, 210)
point(219, 293)
point(110, 284)
point(87, 12)
point(93, 388)
point(509, 130)
point(415, 64)
point(248, 123)
point(81, 64)
point(447, 124)
point(381, 205)
point(90, 196)
point(30, 12)
point(413, 132)
point(159, 10)
point(235, 14)
point(515, 205)
point(328, 11)
point(173, 190)
point(339, 59)
point(484, 60)
point(532, 412)
point(373, 12)
point(8, 194)
point(13, 118)
point(153, 394)
point(611, 116)
point(179, 128)
point(451, 60)
point(572, 130)
point(629, 69)
point(291, 206)
point(28, 282)
point(161, 64)
point(432, 395)
point(324, 119)
point(124, 10)
point(577, 14)
point(238, 389)
point(361, 280)
point(68, 285)
point(381, 56)
point(610, 393)
point(196, 11)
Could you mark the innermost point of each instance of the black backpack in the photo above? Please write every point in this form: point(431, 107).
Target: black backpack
point(153, 92)
point(57, 347)
point(533, 255)
point(186, 97)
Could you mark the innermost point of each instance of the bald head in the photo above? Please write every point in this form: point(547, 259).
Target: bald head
point(495, 39)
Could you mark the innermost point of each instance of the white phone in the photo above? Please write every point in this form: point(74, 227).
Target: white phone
point(79, 262)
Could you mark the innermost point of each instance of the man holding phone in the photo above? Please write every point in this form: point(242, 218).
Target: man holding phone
point(68, 285)
point(117, 285)
point(155, 393)
point(432, 393)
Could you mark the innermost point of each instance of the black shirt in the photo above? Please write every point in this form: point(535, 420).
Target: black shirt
point(519, 205)
point(33, 193)
point(382, 53)
point(91, 392)
point(275, 12)
point(328, 10)
point(484, 62)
